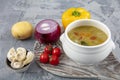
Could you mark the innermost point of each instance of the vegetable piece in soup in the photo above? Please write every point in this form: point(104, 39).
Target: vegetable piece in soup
point(87, 35)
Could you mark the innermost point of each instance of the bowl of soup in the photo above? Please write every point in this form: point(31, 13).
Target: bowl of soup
point(87, 41)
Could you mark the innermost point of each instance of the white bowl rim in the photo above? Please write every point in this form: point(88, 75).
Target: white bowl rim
point(92, 20)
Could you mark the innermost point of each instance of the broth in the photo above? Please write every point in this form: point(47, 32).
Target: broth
point(87, 35)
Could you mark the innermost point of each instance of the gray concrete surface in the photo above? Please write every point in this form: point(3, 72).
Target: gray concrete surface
point(12, 11)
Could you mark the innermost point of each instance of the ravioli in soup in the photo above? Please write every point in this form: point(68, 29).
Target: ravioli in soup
point(87, 35)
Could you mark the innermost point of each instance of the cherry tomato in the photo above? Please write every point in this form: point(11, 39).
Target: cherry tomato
point(56, 51)
point(48, 49)
point(54, 60)
point(44, 57)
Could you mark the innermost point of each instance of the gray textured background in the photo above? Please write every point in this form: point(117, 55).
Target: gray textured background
point(12, 11)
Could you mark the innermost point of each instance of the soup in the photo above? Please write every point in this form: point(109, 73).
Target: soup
point(87, 35)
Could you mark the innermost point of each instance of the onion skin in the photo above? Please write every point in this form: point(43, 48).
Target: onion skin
point(49, 37)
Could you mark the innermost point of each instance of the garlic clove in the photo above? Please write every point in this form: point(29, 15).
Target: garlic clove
point(21, 50)
point(21, 54)
point(17, 65)
point(29, 58)
point(11, 54)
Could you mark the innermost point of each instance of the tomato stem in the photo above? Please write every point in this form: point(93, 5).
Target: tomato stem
point(76, 13)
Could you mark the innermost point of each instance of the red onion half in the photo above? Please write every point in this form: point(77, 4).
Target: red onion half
point(47, 31)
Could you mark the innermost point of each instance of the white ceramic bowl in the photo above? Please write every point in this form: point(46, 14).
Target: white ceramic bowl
point(87, 54)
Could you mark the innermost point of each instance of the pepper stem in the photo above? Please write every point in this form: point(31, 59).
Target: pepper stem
point(76, 13)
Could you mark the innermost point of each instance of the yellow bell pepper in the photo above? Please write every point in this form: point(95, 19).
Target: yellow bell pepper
point(73, 14)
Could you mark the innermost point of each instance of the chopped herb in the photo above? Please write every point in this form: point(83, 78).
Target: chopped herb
point(84, 43)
